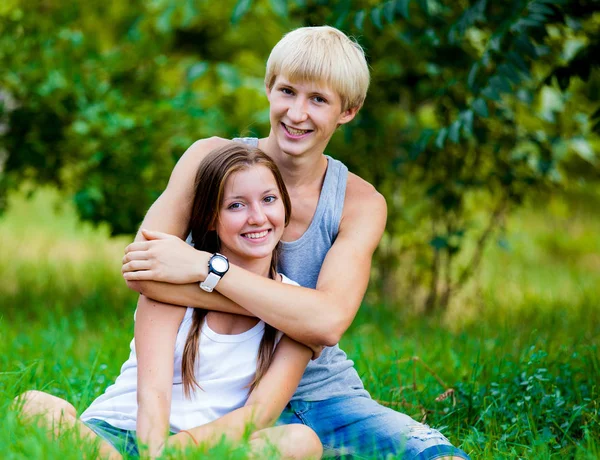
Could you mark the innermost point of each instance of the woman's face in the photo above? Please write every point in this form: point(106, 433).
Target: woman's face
point(252, 215)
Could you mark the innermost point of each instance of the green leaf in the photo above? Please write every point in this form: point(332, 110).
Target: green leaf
point(454, 132)
point(376, 17)
point(441, 138)
point(341, 12)
point(467, 122)
point(424, 4)
point(510, 73)
point(526, 47)
point(500, 84)
point(388, 11)
point(439, 242)
point(189, 13)
point(196, 71)
point(280, 7)
point(402, 8)
point(491, 93)
point(518, 62)
point(480, 107)
point(239, 10)
point(421, 144)
point(359, 19)
point(583, 149)
point(163, 23)
point(473, 75)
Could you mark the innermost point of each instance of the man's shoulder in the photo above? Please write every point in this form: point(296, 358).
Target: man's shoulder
point(360, 193)
point(202, 147)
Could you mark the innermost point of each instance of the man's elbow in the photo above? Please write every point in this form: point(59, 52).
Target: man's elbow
point(137, 286)
point(330, 333)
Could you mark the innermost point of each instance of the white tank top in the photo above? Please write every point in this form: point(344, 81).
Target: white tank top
point(225, 367)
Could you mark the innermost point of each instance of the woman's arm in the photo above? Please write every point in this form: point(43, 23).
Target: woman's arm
point(156, 329)
point(265, 403)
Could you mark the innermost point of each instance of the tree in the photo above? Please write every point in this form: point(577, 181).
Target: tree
point(474, 106)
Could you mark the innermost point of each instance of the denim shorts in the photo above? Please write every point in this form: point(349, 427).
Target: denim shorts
point(122, 440)
point(357, 427)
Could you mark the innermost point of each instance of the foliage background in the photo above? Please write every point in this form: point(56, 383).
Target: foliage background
point(480, 128)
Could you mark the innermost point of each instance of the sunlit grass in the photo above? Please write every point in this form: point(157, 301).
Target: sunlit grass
point(519, 348)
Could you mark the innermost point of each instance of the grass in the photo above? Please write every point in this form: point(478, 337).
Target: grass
point(519, 349)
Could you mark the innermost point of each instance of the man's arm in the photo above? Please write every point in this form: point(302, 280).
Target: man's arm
point(311, 316)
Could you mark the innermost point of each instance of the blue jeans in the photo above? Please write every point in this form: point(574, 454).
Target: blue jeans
point(358, 427)
point(122, 440)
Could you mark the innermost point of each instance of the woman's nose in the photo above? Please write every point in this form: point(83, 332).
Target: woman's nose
point(257, 215)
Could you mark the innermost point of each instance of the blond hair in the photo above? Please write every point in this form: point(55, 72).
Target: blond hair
point(322, 54)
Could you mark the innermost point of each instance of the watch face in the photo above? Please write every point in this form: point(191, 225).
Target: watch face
point(219, 264)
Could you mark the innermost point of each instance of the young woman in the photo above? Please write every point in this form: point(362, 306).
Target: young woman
point(206, 375)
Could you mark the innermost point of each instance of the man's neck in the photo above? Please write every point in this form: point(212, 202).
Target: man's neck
point(297, 171)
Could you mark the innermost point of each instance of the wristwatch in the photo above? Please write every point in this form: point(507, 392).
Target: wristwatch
point(217, 267)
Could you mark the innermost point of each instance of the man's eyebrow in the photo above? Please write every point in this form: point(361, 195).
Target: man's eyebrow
point(240, 197)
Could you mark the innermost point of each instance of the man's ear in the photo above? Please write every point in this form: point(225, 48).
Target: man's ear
point(348, 115)
point(268, 92)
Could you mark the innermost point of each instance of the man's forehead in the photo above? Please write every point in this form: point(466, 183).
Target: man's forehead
point(319, 86)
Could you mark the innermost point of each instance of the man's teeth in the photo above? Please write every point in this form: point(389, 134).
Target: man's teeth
point(257, 235)
point(296, 132)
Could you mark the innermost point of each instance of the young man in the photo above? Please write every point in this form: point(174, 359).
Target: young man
point(316, 80)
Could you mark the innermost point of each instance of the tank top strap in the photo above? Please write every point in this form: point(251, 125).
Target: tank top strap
point(334, 192)
point(251, 141)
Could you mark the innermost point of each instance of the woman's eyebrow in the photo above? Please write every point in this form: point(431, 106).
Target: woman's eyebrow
point(239, 197)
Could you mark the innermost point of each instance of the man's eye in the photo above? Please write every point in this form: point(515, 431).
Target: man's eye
point(320, 100)
point(286, 91)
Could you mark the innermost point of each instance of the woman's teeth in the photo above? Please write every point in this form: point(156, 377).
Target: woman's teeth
point(254, 236)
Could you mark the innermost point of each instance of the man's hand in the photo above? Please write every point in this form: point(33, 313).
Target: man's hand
point(165, 258)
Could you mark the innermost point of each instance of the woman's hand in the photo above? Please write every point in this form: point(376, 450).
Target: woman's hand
point(166, 258)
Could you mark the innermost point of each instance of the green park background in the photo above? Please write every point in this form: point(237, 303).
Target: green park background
point(481, 128)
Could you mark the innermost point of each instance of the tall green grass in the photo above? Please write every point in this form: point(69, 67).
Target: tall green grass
point(519, 348)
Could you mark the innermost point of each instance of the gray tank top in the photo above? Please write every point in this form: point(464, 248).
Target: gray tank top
point(332, 374)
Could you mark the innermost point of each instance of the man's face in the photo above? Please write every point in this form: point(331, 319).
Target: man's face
point(304, 115)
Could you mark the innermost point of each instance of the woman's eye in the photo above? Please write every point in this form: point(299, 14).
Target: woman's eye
point(234, 206)
point(270, 198)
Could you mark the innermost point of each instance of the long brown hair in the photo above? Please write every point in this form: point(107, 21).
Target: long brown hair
point(213, 172)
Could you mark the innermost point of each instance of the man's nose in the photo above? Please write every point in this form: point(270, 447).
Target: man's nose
point(297, 112)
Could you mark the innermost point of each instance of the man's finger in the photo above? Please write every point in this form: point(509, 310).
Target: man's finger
point(136, 265)
point(143, 275)
point(154, 235)
point(135, 255)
